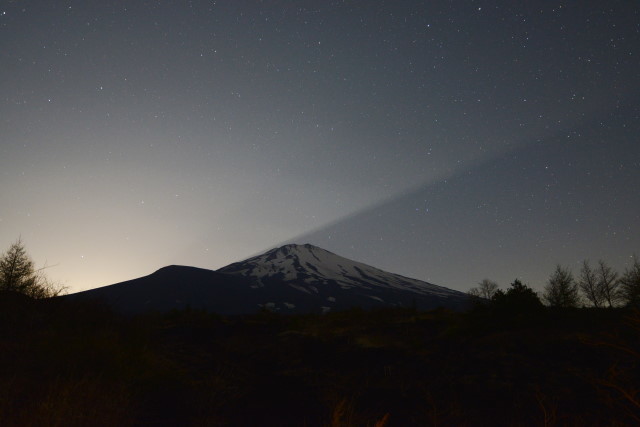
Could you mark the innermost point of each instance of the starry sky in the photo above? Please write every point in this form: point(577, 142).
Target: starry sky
point(448, 141)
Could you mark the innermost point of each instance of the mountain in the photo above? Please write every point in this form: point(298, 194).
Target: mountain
point(289, 279)
point(334, 282)
point(177, 287)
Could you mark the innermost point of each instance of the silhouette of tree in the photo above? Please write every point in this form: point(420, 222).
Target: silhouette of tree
point(608, 284)
point(630, 285)
point(561, 290)
point(485, 289)
point(518, 297)
point(17, 274)
point(588, 284)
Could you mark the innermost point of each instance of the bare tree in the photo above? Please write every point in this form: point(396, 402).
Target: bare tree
point(589, 285)
point(630, 285)
point(561, 290)
point(474, 292)
point(485, 289)
point(608, 284)
point(17, 274)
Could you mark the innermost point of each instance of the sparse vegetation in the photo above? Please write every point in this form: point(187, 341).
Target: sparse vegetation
point(589, 285)
point(630, 285)
point(70, 363)
point(18, 275)
point(507, 361)
point(486, 289)
point(608, 284)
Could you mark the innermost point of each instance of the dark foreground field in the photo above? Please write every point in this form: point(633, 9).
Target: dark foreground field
point(80, 364)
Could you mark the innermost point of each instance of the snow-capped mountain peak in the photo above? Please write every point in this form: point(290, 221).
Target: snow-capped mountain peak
point(309, 269)
point(288, 279)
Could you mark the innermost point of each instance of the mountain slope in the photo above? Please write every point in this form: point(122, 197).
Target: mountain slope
point(175, 287)
point(337, 282)
point(289, 279)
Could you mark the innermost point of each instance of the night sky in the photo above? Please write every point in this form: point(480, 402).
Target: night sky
point(445, 141)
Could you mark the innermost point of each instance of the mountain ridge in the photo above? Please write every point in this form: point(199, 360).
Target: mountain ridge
point(324, 268)
point(288, 279)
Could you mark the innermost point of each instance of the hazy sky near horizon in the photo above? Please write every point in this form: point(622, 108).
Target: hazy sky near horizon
point(446, 141)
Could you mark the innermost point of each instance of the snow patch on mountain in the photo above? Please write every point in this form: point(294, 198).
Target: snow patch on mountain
point(307, 268)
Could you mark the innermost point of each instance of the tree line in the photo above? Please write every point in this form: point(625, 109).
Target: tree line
point(598, 287)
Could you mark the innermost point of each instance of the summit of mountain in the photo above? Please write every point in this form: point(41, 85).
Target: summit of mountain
point(288, 279)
